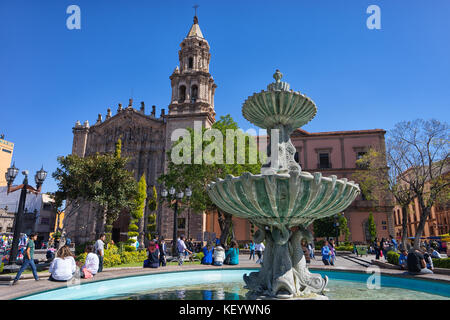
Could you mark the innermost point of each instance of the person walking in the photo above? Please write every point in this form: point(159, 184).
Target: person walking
point(181, 247)
point(332, 252)
point(162, 252)
point(252, 250)
point(63, 266)
point(28, 259)
point(394, 243)
point(311, 250)
point(259, 249)
point(326, 254)
point(376, 248)
point(99, 249)
point(383, 248)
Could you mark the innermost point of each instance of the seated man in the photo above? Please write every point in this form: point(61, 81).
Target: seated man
point(402, 260)
point(435, 254)
point(416, 263)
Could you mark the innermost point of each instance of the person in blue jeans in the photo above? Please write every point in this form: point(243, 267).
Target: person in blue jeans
point(252, 251)
point(28, 259)
point(326, 252)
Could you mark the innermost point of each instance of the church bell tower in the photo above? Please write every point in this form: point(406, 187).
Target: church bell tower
point(193, 86)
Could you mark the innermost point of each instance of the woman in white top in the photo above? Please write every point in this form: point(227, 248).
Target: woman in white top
point(90, 267)
point(218, 255)
point(63, 266)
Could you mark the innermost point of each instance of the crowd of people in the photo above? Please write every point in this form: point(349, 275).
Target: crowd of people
point(63, 266)
point(213, 254)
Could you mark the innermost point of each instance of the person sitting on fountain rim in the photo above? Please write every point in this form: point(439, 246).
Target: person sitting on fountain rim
point(207, 254)
point(326, 252)
point(233, 254)
point(416, 263)
point(63, 266)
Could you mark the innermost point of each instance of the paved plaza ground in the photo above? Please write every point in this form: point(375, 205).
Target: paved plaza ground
point(27, 285)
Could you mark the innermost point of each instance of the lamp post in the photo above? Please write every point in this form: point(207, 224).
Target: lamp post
point(10, 175)
point(172, 196)
point(336, 225)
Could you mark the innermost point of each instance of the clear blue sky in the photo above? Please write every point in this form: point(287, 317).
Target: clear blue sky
point(51, 77)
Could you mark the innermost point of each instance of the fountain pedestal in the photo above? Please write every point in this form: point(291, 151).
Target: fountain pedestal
point(283, 272)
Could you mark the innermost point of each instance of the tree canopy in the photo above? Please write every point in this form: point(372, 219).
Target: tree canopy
point(198, 174)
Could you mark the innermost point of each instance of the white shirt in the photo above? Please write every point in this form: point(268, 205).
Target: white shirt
point(260, 247)
point(63, 269)
point(219, 254)
point(99, 245)
point(181, 246)
point(91, 263)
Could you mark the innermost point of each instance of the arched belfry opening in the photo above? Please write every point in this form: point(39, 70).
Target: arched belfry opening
point(182, 94)
point(194, 93)
point(191, 63)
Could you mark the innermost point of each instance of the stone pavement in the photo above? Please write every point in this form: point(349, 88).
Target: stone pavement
point(28, 285)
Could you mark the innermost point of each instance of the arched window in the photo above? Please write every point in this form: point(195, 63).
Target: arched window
point(191, 63)
point(182, 94)
point(194, 93)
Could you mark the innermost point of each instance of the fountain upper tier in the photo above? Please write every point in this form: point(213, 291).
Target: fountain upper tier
point(279, 106)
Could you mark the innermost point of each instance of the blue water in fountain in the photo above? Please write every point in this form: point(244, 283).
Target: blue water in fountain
point(228, 285)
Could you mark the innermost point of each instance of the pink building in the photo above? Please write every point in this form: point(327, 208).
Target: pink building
point(335, 153)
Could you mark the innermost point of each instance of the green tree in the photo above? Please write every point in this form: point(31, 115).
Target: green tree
point(198, 175)
point(378, 183)
point(372, 227)
point(413, 166)
point(136, 227)
point(152, 205)
point(324, 227)
point(343, 227)
point(101, 179)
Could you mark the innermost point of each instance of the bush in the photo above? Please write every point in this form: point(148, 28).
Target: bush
point(199, 256)
point(132, 257)
point(129, 248)
point(81, 257)
point(441, 263)
point(392, 257)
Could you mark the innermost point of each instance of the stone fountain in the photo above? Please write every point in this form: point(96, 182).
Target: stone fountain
point(283, 200)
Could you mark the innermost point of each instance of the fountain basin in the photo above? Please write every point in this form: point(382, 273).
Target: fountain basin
point(344, 285)
point(283, 200)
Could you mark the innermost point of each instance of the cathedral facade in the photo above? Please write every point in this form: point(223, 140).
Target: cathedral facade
point(146, 138)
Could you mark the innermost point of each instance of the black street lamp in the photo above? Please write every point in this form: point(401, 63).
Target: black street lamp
point(172, 196)
point(336, 225)
point(10, 175)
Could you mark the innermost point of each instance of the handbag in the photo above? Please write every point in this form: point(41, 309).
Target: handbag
point(227, 260)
